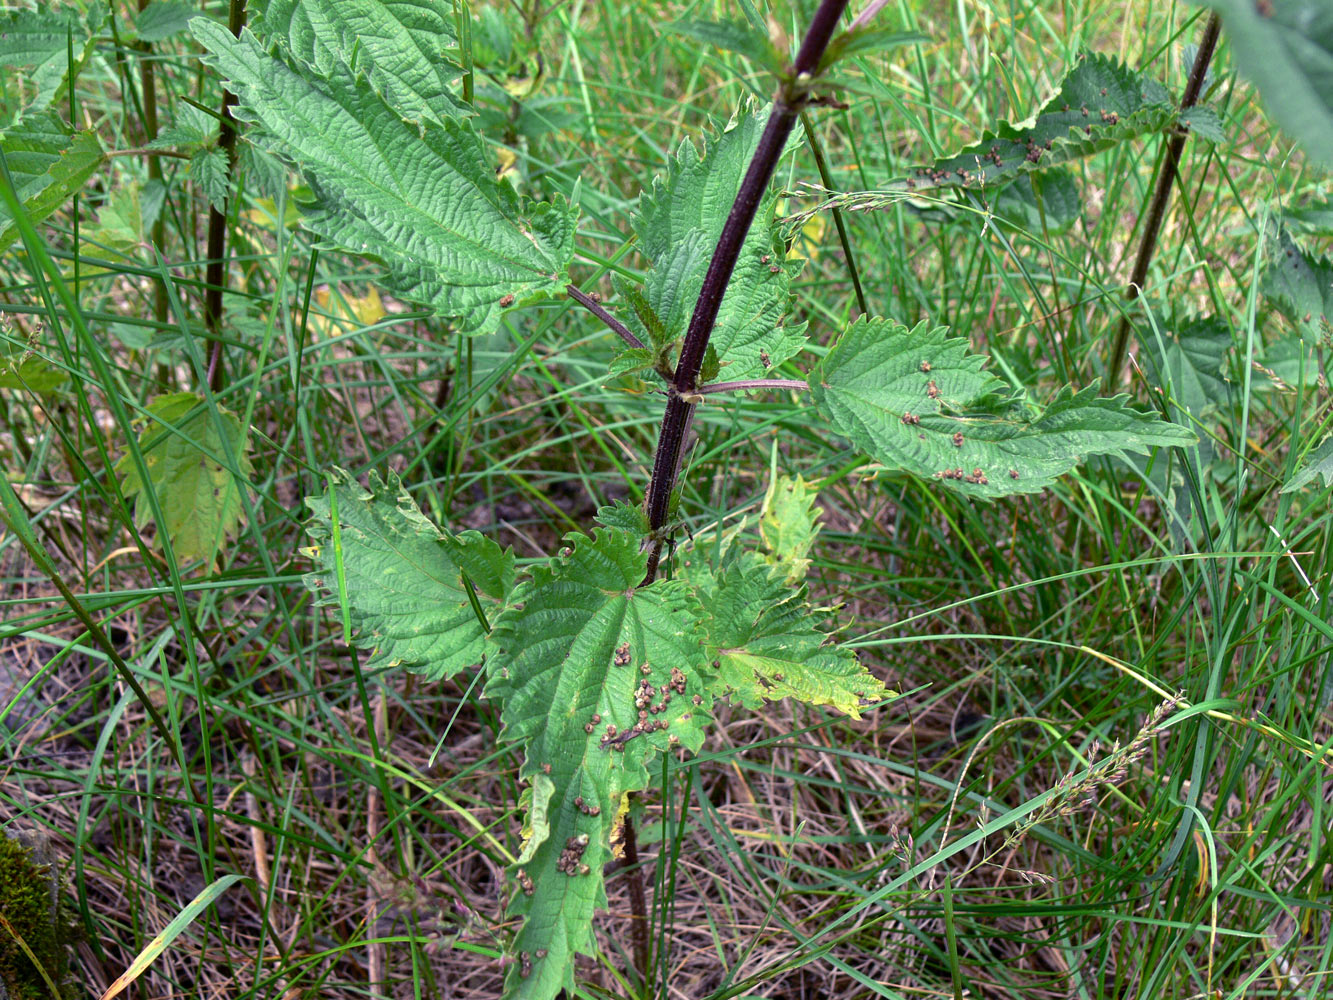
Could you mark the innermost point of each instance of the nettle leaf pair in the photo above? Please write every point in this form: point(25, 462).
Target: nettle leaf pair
point(595, 673)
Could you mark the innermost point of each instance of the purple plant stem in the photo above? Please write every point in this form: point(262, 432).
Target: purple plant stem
point(791, 98)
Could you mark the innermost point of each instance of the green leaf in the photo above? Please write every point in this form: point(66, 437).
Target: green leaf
point(1285, 47)
point(208, 169)
point(587, 651)
point(183, 451)
point(1052, 194)
point(163, 18)
point(750, 335)
point(867, 39)
point(732, 36)
point(788, 524)
point(118, 234)
point(406, 47)
point(30, 373)
point(627, 517)
point(678, 226)
point(47, 165)
point(764, 645)
point(919, 401)
point(1301, 286)
point(38, 41)
point(402, 577)
point(1318, 464)
point(630, 361)
point(1203, 121)
point(423, 199)
point(1190, 362)
point(1101, 103)
point(190, 129)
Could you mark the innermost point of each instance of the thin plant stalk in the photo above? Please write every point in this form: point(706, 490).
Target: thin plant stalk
point(826, 179)
point(1166, 179)
point(215, 275)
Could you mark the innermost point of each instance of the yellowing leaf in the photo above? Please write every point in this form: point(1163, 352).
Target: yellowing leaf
point(807, 243)
point(788, 525)
point(265, 214)
point(183, 452)
point(345, 312)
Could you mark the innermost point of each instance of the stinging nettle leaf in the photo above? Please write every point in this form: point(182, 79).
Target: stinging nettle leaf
point(788, 524)
point(403, 577)
point(764, 645)
point(208, 169)
point(163, 18)
point(732, 36)
point(1318, 464)
point(1101, 102)
point(678, 226)
point(587, 651)
point(1189, 360)
point(918, 400)
point(1285, 47)
point(47, 165)
point(39, 42)
point(424, 200)
point(1301, 286)
point(183, 452)
point(406, 47)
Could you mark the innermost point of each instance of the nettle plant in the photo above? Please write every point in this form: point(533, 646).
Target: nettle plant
point(609, 655)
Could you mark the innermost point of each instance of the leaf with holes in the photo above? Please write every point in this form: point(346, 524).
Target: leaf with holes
point(402, 578)
point(422, 198)
point(1101, 102)
point(596, 675)
point(185, 449)
point(918, 400)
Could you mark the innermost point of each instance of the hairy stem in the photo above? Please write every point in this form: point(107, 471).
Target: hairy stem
point(753, 383)
point(595, 307)
point(1166, 180)
point(791, 98)
point(215, 275)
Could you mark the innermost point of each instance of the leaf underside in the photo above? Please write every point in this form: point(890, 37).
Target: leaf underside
point(678, 226)
point(1301, 286)
point(402, 576)
point(596, 675)
point(1318, 464)
point(1285, 47)
point(422, 198)
point(183, 452)
point(918, 400)
point(1101, 102)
